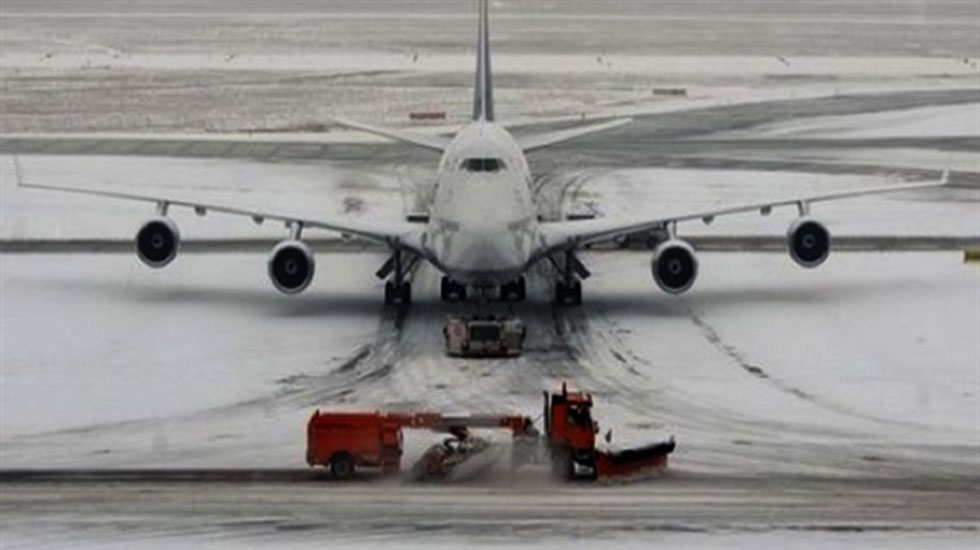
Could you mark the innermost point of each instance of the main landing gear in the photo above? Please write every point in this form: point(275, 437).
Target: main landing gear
point(568, 288)
point(398, 291)
point(568, 294)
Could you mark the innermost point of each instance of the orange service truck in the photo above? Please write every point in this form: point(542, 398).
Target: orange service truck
point(344, 442)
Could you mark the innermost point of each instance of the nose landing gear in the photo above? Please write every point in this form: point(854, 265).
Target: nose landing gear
point(515, 291)
point(451, 291)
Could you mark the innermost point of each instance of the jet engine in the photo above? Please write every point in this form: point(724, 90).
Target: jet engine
point(157, 242)
point(808, 241)
point(674, 266)
point(291, 266)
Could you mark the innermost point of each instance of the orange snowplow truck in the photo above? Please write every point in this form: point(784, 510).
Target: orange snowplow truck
point(571, 432)
point(345, 442)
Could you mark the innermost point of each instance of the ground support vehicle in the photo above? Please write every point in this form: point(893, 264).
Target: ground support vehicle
point(570, 433)
point(344, 442)
point(484, 336)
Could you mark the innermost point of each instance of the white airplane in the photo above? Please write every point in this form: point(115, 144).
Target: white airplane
point(482, 230)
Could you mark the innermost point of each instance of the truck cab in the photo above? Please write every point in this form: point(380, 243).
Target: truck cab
point(571, 439)
point(571, 432)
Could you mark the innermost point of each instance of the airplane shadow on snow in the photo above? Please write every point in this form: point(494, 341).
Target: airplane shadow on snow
point(265, 301)
point(319, 303)
point(658, 304)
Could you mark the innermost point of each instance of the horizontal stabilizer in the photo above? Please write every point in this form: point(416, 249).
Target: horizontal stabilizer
point(437, 143)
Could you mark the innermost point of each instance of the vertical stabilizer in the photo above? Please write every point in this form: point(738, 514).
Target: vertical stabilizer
point(483, 93)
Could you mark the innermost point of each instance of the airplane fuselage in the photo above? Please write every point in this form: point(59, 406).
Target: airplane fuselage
point(483, 223)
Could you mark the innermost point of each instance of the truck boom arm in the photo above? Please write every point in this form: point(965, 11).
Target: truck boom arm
point(519, 425)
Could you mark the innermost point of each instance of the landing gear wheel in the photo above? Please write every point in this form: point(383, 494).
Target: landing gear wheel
point(562, 464)
point(398, 294)
point(342, 466)
point(451, 291)
point(515, 291)
point(568, 294)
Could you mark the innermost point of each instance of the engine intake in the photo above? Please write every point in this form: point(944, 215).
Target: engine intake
point(674, 266)
point(157, 242)
point(291, 266)
point(808, 241)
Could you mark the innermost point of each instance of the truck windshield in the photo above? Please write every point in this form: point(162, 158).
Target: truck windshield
point(485, 333)
point(579, 416)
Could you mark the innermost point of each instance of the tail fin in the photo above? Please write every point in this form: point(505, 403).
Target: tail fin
point(483, 93)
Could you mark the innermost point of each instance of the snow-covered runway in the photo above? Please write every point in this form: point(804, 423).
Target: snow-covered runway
point(775, 381)
point(865, 366)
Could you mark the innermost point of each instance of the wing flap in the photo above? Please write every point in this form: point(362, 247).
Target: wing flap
point(572, 234)
point(395, 234)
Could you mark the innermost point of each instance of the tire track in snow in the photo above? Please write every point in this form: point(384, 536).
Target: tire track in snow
point(739, 358)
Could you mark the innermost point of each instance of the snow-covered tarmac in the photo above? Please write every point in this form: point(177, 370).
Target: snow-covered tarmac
point(790, 390)
point(204, 365)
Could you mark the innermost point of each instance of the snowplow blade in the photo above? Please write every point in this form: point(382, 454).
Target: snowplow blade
point(648, 459)
point(454, 460)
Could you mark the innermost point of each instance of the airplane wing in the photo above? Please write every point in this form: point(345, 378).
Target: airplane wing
point(436, 143)
point(565, 235)
point(400, 235)
point(538, 141)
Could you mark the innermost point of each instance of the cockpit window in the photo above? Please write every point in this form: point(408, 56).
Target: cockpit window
point(483, 165)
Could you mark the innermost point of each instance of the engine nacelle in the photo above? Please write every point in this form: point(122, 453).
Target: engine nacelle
point(157, 242)
point(808, 241)
point(291, 266)
point(674, 266)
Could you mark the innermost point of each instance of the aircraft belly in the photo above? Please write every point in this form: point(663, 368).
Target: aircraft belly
point(481, 259)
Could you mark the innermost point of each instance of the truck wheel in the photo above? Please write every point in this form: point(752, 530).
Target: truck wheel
point(342, 466)
point(562, 464)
